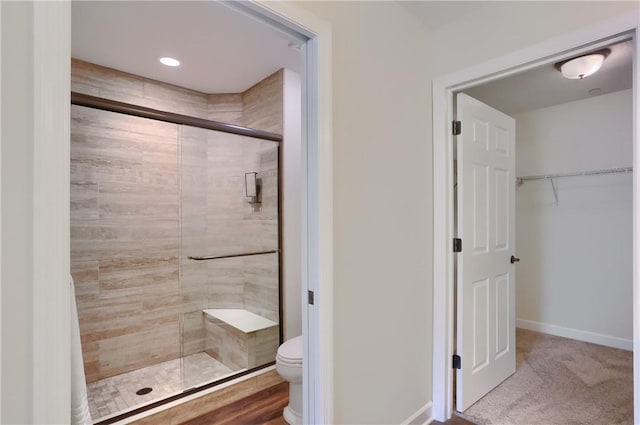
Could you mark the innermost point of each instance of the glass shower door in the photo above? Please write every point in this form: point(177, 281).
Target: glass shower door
point(229, 254)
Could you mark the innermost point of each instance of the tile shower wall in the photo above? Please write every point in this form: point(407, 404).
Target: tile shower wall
point(125, 218)
point(115, 85)
point(124, 240)
point(262, 104)
point(226, 108)
point(218, 220)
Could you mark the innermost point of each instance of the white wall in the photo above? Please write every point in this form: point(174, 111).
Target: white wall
point(17, 207)
point(576, 270)
point(292, 213)
point(587, 134)
point(35, 220)
point(382, 211)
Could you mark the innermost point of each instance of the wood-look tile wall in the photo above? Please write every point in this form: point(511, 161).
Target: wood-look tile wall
point(124, 240)
point(226, 108)
point(108, 83)
point(127, 194)
point(239, 350)
point(262, 104)
point(217, 219)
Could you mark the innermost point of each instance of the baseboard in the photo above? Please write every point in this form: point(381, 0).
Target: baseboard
point(422, 417)
point(580, 335)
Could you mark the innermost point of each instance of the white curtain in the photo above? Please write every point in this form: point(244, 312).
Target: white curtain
point(79, 403)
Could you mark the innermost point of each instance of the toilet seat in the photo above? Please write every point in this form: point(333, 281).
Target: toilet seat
point(290, 353)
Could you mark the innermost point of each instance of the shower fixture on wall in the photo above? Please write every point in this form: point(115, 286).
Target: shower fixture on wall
point(252, 186)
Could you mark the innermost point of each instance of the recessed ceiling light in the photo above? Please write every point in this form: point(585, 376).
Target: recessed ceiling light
point(169, 61)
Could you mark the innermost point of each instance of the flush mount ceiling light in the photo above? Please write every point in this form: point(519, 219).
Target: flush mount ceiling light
point(169, 61)
point(582, 66)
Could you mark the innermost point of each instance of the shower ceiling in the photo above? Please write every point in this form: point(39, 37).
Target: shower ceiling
point(221, 50)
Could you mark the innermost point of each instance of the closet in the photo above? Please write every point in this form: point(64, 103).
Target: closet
point(572, 262)
point(574, 219)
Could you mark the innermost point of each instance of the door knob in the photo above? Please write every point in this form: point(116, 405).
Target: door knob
point(514, 259)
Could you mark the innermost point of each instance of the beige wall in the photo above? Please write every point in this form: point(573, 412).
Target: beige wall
point(17, 213)
point(382, 182)
point(382, 211)
point(132, 179)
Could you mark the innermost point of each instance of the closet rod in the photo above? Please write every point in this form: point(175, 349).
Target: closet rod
point(623, 170)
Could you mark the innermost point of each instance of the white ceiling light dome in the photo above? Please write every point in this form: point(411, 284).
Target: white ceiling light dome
point(582, 66)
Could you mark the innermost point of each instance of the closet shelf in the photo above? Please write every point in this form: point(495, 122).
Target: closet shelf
point(624, 170)
point(520, 180)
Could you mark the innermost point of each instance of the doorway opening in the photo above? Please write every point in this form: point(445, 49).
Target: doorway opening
point(51, 290)
point(285, 306)
point(444, 88)
point(571, 162)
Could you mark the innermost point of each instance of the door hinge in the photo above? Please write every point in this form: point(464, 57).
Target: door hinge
point(310, 295)
point(457, 361)
point(457, 245)
point(456, 128)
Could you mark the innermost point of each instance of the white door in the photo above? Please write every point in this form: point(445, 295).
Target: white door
point(485, 272)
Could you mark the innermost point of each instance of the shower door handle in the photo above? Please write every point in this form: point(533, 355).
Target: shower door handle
point(514, 259)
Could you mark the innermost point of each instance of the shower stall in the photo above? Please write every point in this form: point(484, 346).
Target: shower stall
point(175, 240)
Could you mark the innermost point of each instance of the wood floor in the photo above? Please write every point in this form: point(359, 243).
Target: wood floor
point(263, 408)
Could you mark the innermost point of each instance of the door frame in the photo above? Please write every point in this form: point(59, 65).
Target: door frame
point(444, 88)
point(316, 175)
point(51, 291)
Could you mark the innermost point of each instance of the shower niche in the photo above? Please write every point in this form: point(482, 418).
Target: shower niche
point(175, 253)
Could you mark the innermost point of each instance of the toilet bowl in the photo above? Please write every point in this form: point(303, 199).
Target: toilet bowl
point(289, 366)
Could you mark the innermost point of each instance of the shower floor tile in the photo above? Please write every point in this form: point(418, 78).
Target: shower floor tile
point(117, 394)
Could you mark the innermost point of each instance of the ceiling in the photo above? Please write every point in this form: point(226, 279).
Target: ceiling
point(224, 51)
point(545, 86)
point(435, 14)
point(221, 50)
point(537, 88)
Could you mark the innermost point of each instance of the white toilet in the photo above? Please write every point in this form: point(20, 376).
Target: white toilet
point(289, 366)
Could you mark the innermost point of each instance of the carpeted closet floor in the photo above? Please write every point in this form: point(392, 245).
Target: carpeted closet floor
point(561, 381)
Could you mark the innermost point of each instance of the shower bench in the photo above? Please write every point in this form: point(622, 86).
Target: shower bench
point(240, 339)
